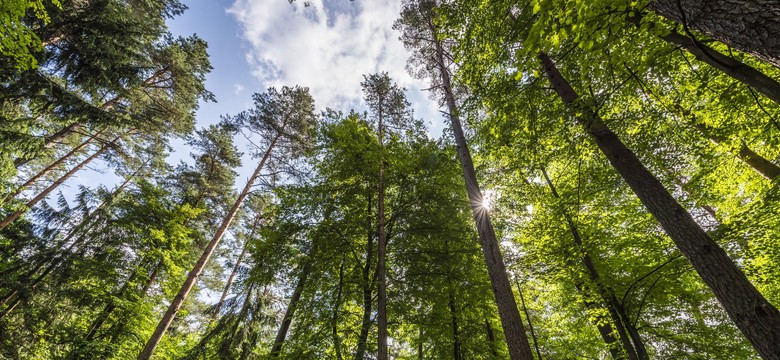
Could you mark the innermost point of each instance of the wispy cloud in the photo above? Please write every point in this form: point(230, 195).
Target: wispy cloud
point(238, 89)
point(328, 46)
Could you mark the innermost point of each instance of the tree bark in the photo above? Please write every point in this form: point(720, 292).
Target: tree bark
point(42, 195)
point(366, 324)
point(758, 320)
point(603, 324)
point(517, 341)
point(528, 317)
point(456, 353)
point(381, 250)
point(732, 67)
point(335, 319)
point(192, 277)
point(281, 335)
point(758, 163)
point(748, 26)
point(491, 336)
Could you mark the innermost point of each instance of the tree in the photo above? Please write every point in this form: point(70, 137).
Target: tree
point(284, 121)
point(421, 16)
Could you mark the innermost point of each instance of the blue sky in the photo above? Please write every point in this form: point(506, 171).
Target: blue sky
point(327, 46)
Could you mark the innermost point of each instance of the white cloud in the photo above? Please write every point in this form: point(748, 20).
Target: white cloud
point(238, 89)
point(328, 47)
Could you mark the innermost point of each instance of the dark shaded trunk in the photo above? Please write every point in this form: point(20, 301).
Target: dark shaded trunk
point(528, 318)
point(281, 335)
point(758, 320)
point(192, 277)
point(335, 319)
point(43, 194)
point(491, 336)
point(381, 269)
point(732, 67)
point(746, 25)
point(367, 293)
point(602, 322)
point(455, 327)
point(517, 341)
point(757, 162)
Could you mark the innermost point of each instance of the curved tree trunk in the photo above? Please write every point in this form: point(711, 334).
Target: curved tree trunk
point(758, 320)
point(749, 26)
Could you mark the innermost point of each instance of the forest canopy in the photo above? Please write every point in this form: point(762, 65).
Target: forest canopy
point(607, 187)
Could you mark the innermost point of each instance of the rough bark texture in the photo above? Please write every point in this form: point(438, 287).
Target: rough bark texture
point(281, 335)
point(517, 341)
point(751, 26)
point(736, 69)
point(758, 320)
point(192, 277)
point(43, 194)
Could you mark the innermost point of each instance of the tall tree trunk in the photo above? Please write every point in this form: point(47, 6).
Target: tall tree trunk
point(381, 250)
point(51, 167)
point(528, 317)
point(235, 269)
point(748, 26)
point(11, 218)
point(517, 341)
point(192, 277)
point(758, 320)
point(335, 319)
point(281, 335)
point(366, 324)
point(602, 324)
point(456, 353)
point(420, 345)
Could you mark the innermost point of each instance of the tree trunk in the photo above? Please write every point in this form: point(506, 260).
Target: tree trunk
point(748, 26)
point(366, 324)
point(335, 319)
point(380, 258)
point(51, 167)
point(456, 353)
point(603, 324)
point(491, 339)
point(528, 317)
point(281, 335)
point(757, 162)
point(192, 277)
point(235, 269)
point(758, 320)
point(11, 218)
point(517, 342)
point(734, 68)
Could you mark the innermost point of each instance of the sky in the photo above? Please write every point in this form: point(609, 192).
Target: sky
point(327, 46)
